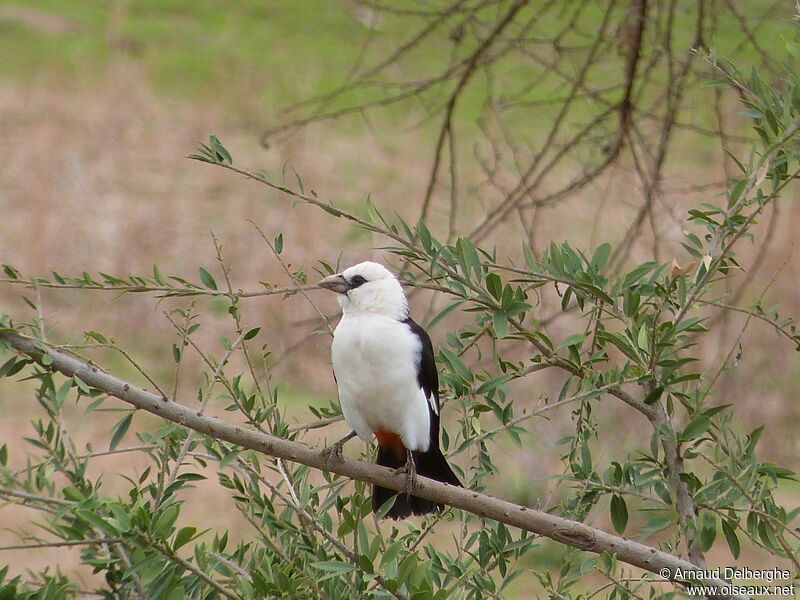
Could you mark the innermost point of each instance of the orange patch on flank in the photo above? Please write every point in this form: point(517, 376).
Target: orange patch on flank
point(391, 442)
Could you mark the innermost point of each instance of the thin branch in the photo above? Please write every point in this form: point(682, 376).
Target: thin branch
point(63, 544)
point(170, 291)
point(315, 424)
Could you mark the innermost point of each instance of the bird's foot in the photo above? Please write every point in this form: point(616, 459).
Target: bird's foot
point(332, 454)
point(334, 451)
point(410, 469)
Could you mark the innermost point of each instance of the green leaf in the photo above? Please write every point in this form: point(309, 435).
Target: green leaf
point(596, 292)
point(792, 47)
point(752, 439)
point(730, 536)
point(654, 395)
point(630, 302)
point(201, 158)
point(207, 279)
point(94, 519)
point(495, 285)
point(278, 243)
point(157, 276)
point(753, 113)
point(457, 365)
point(619, 513)
point(699, 215)
point(331, 210)
point(299, 181)
point(81, 385)
point(424, 236)
point(736, 190)
point(391, 552)
point(10, 272)
point(517, 308)
point(98, 337)
point(620, 342)
point(576, 339)
point(695, 428)
point(252, 333)
point(335, 566)
point(641, 339)
point(490, 385)
point(183, 537)
point(221, 154)
point(637, 273)
point(3, 455)
point(708, 531)
point(119, 430)
point(384, 509)
point(446, 311)
point(13, 366)
point(500, 323)
point(530, 259)
point(166, 520)
point(122, 519)
point(600, 257)
point(691, 324)
point(470, 261)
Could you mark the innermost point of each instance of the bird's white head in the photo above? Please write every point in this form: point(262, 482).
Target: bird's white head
point(368, 287)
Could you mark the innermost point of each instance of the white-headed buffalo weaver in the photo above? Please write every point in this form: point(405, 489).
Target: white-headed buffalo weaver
point(388, 385)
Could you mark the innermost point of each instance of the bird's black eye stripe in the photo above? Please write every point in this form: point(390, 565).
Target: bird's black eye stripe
point(356, 281)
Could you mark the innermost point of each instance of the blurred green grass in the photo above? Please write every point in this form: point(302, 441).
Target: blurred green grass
point(277, 53)
point(184, 46)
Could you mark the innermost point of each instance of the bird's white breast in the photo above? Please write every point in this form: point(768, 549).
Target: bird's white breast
point(375, 359)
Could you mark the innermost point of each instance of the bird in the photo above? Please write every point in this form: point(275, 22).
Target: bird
point(388, 385)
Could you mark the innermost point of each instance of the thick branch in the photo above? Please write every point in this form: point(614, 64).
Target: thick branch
point(564, 531)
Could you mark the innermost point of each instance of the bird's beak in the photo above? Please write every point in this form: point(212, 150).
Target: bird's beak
point(335, 283)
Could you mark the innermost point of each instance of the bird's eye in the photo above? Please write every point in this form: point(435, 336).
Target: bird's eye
point(356, 281)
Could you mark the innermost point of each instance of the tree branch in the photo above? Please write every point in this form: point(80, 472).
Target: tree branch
point(564, 531)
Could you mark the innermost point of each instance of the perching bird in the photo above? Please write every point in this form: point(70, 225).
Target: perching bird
point(388, 385)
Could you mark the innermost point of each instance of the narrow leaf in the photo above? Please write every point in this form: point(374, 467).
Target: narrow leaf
point(731, 537)
point(119, 431)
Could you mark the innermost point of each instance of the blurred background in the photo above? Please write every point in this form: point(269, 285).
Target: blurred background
point(100, 101)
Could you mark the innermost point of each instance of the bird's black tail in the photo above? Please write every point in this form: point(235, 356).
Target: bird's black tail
point(431, 464)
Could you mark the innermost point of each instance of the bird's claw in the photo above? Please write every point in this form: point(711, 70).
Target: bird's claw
point(410, 469)
point(334, 451)
point(411, 482)
point(333, 454)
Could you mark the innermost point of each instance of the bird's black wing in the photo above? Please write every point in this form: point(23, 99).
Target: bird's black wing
point(428, 378)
